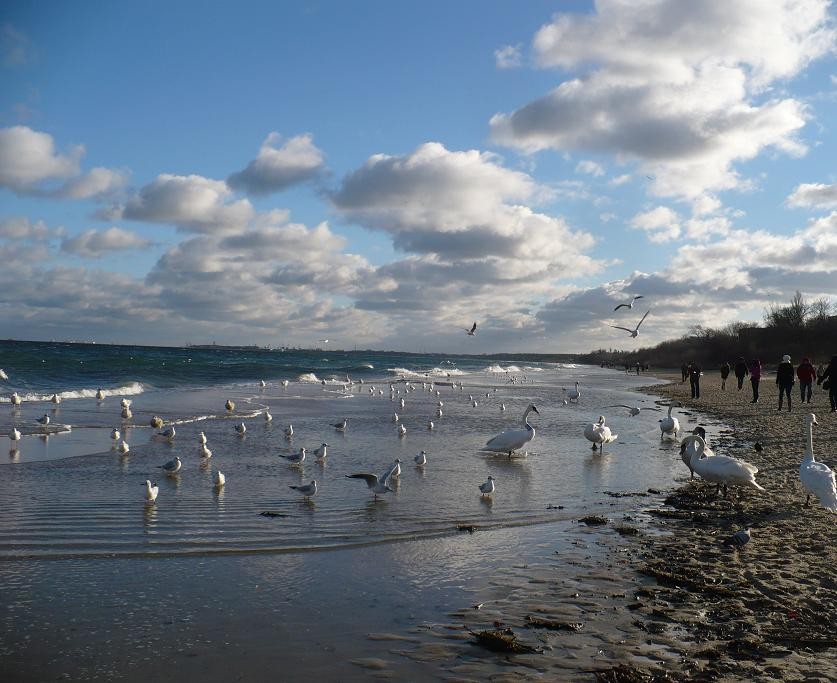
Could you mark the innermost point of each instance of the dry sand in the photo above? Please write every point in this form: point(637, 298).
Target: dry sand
point(767, 611)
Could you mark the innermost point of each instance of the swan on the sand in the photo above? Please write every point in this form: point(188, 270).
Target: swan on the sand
point(598, 433)
point(512, 439)
point(817, 477)
point(688, 448)
point(723, 470)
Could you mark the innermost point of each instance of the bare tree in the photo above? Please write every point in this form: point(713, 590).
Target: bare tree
point(820, 309)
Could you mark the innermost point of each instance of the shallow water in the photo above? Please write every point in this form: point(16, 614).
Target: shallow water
point(80, 550)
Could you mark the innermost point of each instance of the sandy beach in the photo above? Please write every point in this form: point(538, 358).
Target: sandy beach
point(768, 611)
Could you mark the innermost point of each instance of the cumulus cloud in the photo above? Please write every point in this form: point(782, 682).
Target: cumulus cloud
point(20, 228)
point(276, 168)
point(676, 86)
point(28, 157)
point(589, 167)
point(814, 196)
point(661, 224)
point(97, 243)
point(508, 57)
point(191, 203)
point(98, 182)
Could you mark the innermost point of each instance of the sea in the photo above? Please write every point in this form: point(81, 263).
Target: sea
point(81, 549)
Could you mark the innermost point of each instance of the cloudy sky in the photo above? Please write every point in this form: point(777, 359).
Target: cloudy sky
point(383, 174)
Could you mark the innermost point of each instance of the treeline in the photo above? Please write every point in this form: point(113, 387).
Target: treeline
point(800, 328)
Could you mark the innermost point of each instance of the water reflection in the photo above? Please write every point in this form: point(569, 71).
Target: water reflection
point(149, 517)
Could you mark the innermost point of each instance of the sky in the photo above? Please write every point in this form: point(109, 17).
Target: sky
point(384, 174)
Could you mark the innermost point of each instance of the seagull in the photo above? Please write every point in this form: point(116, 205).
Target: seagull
point(502, 407)
point(420, 459)
point(43, 421)
point(201, 438)
point(220, 479)
point(168, 433)
point(688, 447)
point(670, 425)
point(125, 403)
point(100, 395)
point(262, 384)
point(474, 404)
point(402, 430)
point(308, 490)
point(295, 458)
point(240, 428)
point(722, 470)
point(321, 453)
point(205, 452)
point(817, 477)
point(574, 394)
point(126, 413)
point(634, 332)
point(633, 410)
point(438, 412)
point(14, 435)
point(3, 374)
point(394, 470)
point(739, 539)
point(114, 434)
point(267, 416)
point(172, 466)
point(341, 426)
point(151, 491)
point(156, 422)
point(599, 434)
point(285, 383)
point(510, 440)
point(56, 399)
point(472, 331)
point(123, 447)
point(229, 405)
point(14, 399)
point(373, 483)
point(289, 431)
point(395, 417)
point(431, 426)
point(630, 304)
point(487, 488)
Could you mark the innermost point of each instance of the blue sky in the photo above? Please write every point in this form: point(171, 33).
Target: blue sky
point(382, 173)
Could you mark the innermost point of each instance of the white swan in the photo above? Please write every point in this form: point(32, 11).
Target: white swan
point(688, 448)
point(14, 435)
point(574, 394)
point(124, 447)
point(487, 488)
point(723, 470)
point(14, 399)
point(670, 425)
point(817, 477)
point(598, 433)
point(151, 491)
point(511, 440)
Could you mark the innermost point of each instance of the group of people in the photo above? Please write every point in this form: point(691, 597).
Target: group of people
point(786, 376)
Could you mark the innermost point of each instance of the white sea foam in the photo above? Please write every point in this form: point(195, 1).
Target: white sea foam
point(530, 368)
point(130, 389)
point(435, 372)
point(500, 369)
point(308, 377)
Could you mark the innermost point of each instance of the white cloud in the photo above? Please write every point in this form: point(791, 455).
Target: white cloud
point(589, 167)
point(192, 203)
point(814, 195)
point(661, 224)
point(20, 228)
point(620, 179)
point(97, 243)
point(97, 182)
point(276, 168)
point(28, 158)
point(607, 217)
point(675, 86)
point(508, 57)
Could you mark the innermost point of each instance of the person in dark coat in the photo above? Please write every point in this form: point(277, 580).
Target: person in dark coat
point(785, 380)
point(755, 378)
point(806, 374)
point(724, 374)
point(829, 381)
point(741, 371)
point(684, 372)
point(694, 379)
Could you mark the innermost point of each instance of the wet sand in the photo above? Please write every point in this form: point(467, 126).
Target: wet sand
point(769, 610)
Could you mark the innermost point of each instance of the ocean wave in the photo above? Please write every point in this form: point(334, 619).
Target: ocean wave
point(308, 377)
point(434, 372)
point(130, 389)
point(497, 368)
point(530, 368)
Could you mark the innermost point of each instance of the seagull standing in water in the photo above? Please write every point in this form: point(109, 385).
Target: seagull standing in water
point(201, 438)
point(377, 486)
point(308, 491)
point(229, 405)
point(295, 458)
point(487, 488)
point(267, 416)
point(240, 428)
point(126, 413)
point(123, 447)
point(321, 453)
point(220, 479)
point(402, 430)
point(472, 331)
point(56, 399)
point(630, 304)
point(289, 431)
point(115, 435)
point(341, 426)
point(168, 433)
point(151, 491)
point(3, 374)
point(420, 459)
point(43, 421)
point(172, 466)
point(100, 394)
point(14, 435)
point(634, 332)
point(205, 452)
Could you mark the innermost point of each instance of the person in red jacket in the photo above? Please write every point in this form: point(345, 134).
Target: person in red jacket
point(807, 374)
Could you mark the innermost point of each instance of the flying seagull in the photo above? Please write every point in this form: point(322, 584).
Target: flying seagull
point(472, 331)
point(634, 332)
point(630, 304)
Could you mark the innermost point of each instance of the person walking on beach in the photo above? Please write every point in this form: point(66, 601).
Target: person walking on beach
point(755, 378)
point(684, 372)
point(724, 374)
point(829, 381)
point(694, 379)
point(785, 380)
point(741, 371)
point(807, 374)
